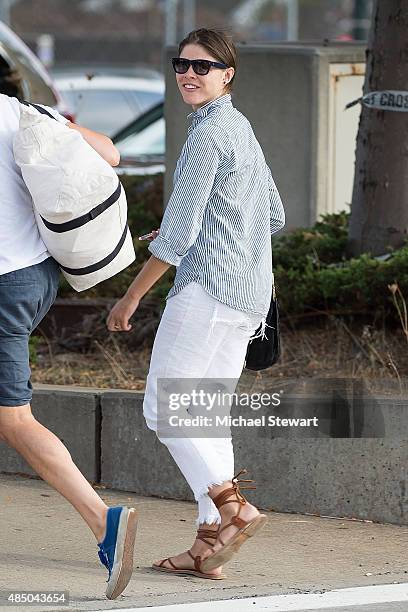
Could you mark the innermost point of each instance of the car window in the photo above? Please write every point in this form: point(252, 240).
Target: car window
point(23, 53)
point(150, 141)
point(146, 99)
point(105, 111)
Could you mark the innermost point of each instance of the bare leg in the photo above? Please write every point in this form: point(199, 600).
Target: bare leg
point(46, 454)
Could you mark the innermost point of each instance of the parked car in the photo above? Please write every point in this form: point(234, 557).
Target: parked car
point(102, 69)
point(23, 76)
point(108, 103)
point(142, 143)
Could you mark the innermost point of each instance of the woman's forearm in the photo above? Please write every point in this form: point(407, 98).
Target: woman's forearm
point(150, 273)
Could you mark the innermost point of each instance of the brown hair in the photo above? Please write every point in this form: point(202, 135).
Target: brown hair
point(218, 43)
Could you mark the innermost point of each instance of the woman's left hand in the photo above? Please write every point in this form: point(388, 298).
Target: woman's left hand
point(118, 318)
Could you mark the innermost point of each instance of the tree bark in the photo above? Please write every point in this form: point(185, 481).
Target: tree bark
point(379, 212)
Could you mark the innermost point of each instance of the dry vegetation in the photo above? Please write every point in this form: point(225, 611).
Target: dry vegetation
point(328, 348)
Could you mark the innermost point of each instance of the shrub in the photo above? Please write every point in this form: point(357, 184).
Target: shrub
point(313, 273)
point(324, 243)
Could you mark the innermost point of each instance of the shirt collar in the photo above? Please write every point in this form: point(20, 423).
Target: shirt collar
point(203, 111)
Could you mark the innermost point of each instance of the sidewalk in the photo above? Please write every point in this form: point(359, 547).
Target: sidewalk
point(46, 546)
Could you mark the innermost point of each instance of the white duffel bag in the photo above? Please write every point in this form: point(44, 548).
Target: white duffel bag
point(79, 203)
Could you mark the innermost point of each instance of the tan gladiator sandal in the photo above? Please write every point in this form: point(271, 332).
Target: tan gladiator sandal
point(246, 529)
point(202, 534)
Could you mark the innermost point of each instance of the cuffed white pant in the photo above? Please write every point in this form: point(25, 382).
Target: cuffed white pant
point(199, 337)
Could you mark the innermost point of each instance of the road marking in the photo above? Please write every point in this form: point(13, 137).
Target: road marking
point(356, 596)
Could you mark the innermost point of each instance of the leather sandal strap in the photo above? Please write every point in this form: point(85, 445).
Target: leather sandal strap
point(197, 561)
point(236, 481)
point(222, 497)
point(169, 561)
point(237, 484)
point(236, 478)
point(243, 471)
point(207, 533)
point(203, 534)
point(236, 521)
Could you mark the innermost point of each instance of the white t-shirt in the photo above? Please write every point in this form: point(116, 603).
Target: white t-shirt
point(20, 242)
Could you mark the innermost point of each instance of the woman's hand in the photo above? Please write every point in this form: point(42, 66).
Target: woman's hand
point(151, 236)
point(155, 233)
point(118, 318)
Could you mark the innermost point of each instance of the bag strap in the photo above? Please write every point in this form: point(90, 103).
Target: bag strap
point(59, 228)
point(39, 108)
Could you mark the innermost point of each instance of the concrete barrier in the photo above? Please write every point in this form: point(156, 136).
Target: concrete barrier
point(132, 457)
point(353, 465)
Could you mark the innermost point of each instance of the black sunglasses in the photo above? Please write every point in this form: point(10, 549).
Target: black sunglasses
point(200, 66)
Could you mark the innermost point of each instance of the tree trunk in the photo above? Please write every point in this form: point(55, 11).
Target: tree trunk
point(379, 212)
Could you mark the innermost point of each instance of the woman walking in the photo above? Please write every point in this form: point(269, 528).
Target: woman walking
point(216, 229)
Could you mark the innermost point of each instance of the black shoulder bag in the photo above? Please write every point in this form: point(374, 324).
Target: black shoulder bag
point(262, 353)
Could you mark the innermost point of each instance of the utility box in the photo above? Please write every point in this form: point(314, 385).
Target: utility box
point(294, 95)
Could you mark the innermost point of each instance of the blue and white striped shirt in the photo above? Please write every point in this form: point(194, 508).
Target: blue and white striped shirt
point(224, 206)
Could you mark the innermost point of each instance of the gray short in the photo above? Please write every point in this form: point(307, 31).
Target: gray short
point(25, 298)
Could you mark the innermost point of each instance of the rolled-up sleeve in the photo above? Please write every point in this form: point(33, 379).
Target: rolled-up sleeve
point(182, 220)
point(277, 216)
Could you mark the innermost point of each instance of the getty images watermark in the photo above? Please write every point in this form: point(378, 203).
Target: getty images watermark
point(208, 409)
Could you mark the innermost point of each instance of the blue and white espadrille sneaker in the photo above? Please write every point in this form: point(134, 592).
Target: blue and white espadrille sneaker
point(116, 549)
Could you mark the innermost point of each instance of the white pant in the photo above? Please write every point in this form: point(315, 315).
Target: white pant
point(199, 337)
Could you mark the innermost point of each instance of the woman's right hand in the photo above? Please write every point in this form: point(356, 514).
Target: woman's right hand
point(118, 318)
point(153, 234)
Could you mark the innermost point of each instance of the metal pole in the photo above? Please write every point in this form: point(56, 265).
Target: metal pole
point(171, 22)
point(293, 19)
point(189, 9)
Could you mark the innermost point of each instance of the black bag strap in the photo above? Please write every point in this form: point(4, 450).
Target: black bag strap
point(100, 264)
point(60, 228)
point(39, 108)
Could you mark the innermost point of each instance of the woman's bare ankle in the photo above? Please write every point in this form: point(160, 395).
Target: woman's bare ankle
point(246, 511)
point(99, 525)
point(217, 489)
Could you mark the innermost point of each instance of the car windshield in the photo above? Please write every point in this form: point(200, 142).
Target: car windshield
point(150, 141)
point(109, 110)
point(23, 53)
